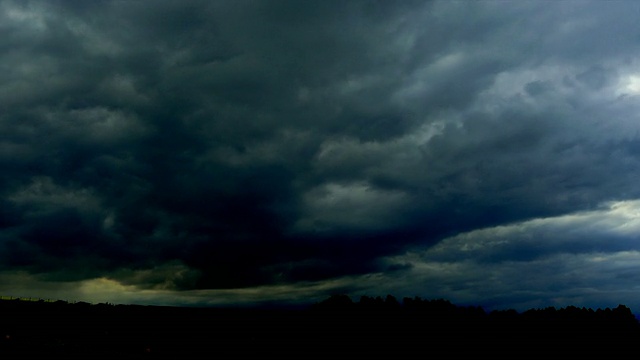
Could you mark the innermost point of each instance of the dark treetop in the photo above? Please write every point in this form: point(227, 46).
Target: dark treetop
point(334, 328)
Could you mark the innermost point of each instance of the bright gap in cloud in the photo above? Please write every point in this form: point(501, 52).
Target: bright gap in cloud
point(633, 84)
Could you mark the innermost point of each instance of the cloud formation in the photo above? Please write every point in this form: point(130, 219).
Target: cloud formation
point(583, 259)
point(294, 149)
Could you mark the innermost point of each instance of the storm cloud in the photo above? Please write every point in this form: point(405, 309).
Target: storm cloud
point(248, 151)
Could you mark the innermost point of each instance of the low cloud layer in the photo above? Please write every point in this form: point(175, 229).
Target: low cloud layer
point(584, 259)
point(244, 151)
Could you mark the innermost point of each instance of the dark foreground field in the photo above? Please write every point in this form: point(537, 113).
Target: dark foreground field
point(337, 328)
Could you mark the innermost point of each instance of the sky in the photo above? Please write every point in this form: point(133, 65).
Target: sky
point(234, 153)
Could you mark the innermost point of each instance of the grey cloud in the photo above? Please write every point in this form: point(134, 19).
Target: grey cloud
point(573, 259)
point(200, 145)
point(608, 229)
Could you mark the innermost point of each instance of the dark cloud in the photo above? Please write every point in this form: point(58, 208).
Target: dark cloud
point(297, 146)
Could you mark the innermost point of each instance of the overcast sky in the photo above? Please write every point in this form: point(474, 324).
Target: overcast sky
point(240, 152)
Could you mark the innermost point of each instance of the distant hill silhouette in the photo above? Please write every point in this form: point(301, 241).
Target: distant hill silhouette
point(335, 328)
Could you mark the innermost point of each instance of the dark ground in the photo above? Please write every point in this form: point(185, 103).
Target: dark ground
point(337, 328)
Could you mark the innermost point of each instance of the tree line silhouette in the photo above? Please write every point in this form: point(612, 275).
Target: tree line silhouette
point(337, 327)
